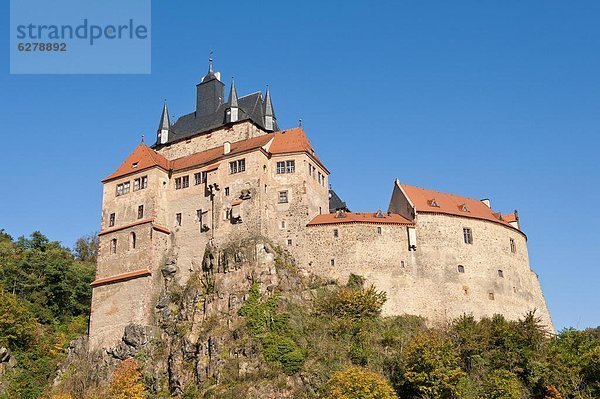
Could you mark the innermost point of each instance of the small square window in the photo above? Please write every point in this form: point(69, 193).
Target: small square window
point(280, 168)
point(140, 211)
point(226, 191)
point(332, 262)
point(113, 246)
point(379, 230)
point(500, 274)
point(491, 296)
point(199, 216)
point(402, 264)
point(290, 166)
point(178, 219)
point(283, 224)
point(283, 197)
point(111, 222)
point(461, 269)
point(513, 246)
point(289, 242)
point(336, 233)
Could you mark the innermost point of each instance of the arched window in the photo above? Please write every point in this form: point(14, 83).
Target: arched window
point(500, 273)
point(132, 240)
point(461, 269)
point(113, 246)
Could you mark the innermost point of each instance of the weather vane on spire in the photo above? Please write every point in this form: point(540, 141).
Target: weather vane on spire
point(210, 60)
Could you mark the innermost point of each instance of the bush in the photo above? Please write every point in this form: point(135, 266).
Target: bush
point(359, 383)
point(502, 384)
point(126, 382)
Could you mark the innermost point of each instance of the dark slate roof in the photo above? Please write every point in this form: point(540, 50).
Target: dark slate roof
point(251, 107)
point(336, 203)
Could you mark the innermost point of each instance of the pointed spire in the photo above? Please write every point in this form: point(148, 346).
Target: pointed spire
point(233, 97)
point(165, 122)
point(210, 60)
point(270, 122)
point(164, 125)
point(268, 104)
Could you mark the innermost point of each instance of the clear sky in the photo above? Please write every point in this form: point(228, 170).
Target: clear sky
point(495, 99)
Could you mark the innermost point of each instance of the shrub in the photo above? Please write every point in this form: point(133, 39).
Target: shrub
point(359, 383)
point(126, 382)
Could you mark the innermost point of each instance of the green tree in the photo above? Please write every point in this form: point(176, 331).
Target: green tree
point(17, 323)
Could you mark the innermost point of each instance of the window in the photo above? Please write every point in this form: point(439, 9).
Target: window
point(290, 166)
point(237, 166)
point(379, 230)
point(500, 274)
point(310, 169)
point(461, 269)
point(185, 182)
point(287, 167)
point(200, 178)
point(132, 240)
point(178, 219)
point(227, 191)
point(140, 211)
point(332, 262)
point(178, 183)
point(402, 265)
point(468, 235)
point(140, 183)
point(199, 216)
point(111, 222)
point(491, 296)
point(280, 168)
point(283, 197)
point(336, 233)
point(113, 246)
point(122, 188)
point(289, 242)
point(283, 224)
point(513, 246)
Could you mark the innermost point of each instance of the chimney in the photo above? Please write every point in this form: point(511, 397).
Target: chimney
point(226, 148)
point(487, 202)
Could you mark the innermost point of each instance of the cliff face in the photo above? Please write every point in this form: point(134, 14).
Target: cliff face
point(198, 339)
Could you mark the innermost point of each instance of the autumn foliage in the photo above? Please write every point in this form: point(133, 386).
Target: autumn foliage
point(358, 383)
point(126, 382)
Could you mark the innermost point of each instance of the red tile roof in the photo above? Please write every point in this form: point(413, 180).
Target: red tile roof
point(214, 154)
point(423, 200)
point(360, 217)
point(121, 277)
point(293, 140)
point(143, 157)
point(510, 217)
point(283, 142)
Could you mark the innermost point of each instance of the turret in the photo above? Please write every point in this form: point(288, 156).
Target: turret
point(163, 127)
point(232, 111)
point(209, 92)
point(270, 121)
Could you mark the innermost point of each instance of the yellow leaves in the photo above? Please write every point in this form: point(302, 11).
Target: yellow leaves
point(359, 383)
point(126, 382)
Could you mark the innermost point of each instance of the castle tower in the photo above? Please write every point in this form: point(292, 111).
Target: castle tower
point(209, 92)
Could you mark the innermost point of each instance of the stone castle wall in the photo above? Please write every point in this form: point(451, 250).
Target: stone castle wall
point(427, 281)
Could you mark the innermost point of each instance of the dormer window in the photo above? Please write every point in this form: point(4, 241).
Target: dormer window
point(379, 214)
point(433, 203)
point(340, 213)
point(134, 165)
point(464, 208)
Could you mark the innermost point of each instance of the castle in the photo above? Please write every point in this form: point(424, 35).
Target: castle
point(226, 171)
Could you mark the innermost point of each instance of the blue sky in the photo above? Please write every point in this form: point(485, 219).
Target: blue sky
point(495, 99)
